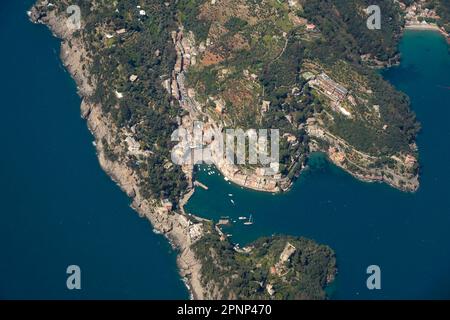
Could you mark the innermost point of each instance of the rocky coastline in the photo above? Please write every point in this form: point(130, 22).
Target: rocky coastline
point(181, 229)
point(361, 165)
point(176, 227)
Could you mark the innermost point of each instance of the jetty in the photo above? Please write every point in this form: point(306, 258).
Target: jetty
point(199, 184)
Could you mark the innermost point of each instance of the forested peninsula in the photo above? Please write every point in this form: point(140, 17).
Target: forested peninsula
point(145, 68)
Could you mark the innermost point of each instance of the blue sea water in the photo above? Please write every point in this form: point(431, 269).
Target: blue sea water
point(58, 207)
point(406, 235)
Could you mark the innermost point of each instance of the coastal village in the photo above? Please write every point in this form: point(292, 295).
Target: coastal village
point(189, 54)
point(256, 179)
point(168, 217)
point(418, 15)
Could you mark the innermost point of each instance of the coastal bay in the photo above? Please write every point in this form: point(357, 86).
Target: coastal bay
point(405, 234)
point(305, 202)
point(187, 233)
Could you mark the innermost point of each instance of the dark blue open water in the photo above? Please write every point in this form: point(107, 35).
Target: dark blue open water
point(57, 207)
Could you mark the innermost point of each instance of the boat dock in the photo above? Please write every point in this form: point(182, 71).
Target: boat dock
point(199, 184)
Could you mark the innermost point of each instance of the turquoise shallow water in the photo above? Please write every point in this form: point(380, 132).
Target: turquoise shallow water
point(57, 206)
point(407, 235)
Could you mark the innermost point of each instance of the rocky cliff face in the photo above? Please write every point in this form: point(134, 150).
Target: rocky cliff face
point(175, 226)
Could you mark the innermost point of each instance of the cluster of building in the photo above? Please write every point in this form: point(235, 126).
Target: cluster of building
point(167, 204)
point(134, 147)
point(186, 56)
point(417, 11)
point(119, 32)
point(186, 53)
point(336, 92)
point(409, 161)
point(280, 268)
point(330, 88)
point(192, 227)
point(257, 180)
